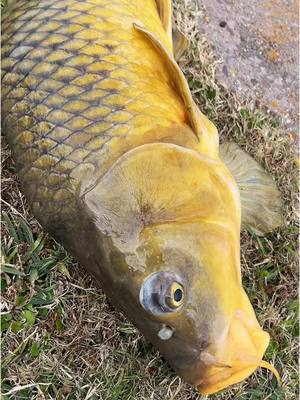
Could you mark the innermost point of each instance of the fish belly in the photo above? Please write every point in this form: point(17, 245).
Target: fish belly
point(80, 87)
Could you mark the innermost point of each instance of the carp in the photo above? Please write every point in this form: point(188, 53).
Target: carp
point(120, 166)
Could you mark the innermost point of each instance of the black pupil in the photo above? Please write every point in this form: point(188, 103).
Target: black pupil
point(178, 295)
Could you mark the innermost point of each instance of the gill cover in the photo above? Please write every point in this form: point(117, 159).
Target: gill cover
point(163, 183)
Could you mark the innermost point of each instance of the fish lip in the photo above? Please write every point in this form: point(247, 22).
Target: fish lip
point(212, 384)
point(223, 379)
point(241, 350)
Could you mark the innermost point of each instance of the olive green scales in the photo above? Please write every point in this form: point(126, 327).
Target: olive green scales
point(70, 96)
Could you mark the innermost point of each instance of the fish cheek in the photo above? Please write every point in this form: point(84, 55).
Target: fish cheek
point(190, 330)
point(191, 343)
point(122, 284)
point(184, 349)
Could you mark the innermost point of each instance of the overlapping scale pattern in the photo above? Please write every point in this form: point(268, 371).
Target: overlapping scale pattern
point(79, 88)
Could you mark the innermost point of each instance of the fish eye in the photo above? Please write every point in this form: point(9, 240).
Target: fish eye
point(162, 293)
point(176, 296)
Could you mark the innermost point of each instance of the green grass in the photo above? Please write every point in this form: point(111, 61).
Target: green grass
point(62, 339)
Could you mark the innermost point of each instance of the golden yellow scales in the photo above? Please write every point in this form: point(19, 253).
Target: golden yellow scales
point(121, 167)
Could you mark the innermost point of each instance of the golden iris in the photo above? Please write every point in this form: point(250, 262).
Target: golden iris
point(176, 298)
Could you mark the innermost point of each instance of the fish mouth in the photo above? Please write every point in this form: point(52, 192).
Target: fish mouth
point(230, 376)
point(238, 355)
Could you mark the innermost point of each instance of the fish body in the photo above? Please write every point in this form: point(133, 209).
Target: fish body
point(80, 88)
point(120, 166)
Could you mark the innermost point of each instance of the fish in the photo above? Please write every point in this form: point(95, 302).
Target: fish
point(122, 168)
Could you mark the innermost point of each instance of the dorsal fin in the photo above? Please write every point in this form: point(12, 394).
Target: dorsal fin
point(177, 38)
point(180, 43)
point(202, 127)
point(165, 12)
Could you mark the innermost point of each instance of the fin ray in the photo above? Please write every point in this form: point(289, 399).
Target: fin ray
point(260, 199)
point(165, 12)
point(180, 43)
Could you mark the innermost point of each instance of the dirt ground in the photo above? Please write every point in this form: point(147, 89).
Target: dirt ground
point(258, 43)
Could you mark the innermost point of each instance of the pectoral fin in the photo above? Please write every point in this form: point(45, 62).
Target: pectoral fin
point(203, 128)
point(260, 198)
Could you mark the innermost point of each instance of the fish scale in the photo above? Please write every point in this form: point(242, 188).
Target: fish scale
point(79, 90)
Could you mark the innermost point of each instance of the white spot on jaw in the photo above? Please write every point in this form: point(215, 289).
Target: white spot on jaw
point(165, 333)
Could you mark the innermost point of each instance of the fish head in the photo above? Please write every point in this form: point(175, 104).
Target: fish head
point(204, 322)
point(171, 222)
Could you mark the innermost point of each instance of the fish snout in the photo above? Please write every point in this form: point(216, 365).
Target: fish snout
point(235, 358)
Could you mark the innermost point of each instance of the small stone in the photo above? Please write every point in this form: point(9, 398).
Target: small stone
point(273, 55)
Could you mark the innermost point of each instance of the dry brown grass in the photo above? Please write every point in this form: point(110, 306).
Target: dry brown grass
point(77, 346)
